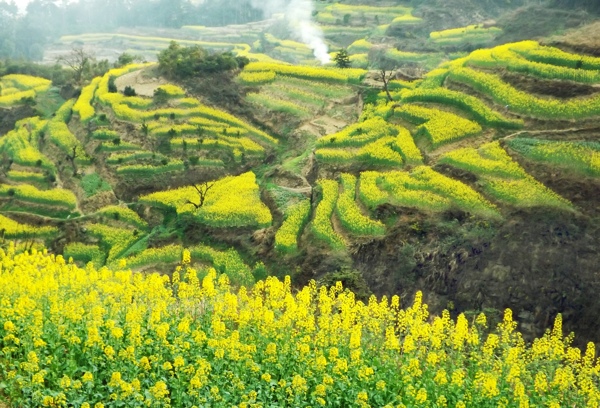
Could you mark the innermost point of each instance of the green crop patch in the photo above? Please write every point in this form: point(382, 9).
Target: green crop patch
point(470, 104)
point(22, 145)
point(296, 217)
point(580, 157)
point(371, 142)
point(350, 214)
point(93, 184)
point(231, 202)
point(123, 215)
point(321, 225)
point(85, 253)
point(504, 179)
point(424, 189)
point(29, 194)
point(474, 34)
point(16, 89)
point(437, 126)
point(11, 229)
point(513, 57)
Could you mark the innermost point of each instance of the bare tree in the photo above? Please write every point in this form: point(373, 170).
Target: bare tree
point(202, 191)
point(71, 158)
point(386, 76)
point(386, 68)
point(5, 163)
point(78, 60)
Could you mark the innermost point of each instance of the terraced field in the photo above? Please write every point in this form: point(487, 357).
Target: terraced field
point(451, 117)
point(54, 167)
point(74, 166)
point(366, 31)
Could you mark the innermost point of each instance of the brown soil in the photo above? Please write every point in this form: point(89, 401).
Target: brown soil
point(582, 191)
point(10, 116)
point(584, 40)
point(539, 263)
point(143, 83)
point(288, 180)
point(547, 87)
point(98, 201)
point(325, 125)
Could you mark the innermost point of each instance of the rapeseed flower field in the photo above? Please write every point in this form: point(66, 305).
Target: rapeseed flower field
point(84, 337)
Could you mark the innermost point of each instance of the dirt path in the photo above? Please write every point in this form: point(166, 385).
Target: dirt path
point(324, 125)
point(551, 131)
point(52, 219)
point(299, 190)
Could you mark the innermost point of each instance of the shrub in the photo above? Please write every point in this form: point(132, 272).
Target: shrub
point(93, 184)
point(129, 91)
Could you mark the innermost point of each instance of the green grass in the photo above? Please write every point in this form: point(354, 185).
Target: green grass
point(502, 178)
point(93, 184)
point(278, 105)
point(48, 102)
point(41, 210)
point(580, 157)
point(84, 253)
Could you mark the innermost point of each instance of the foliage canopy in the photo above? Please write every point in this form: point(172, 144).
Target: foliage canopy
point(184, 62)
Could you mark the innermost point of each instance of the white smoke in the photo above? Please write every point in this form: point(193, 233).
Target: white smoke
point(299, 15)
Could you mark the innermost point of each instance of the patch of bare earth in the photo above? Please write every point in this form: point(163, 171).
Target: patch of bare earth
point(142, 81)
point(324, 125)
point(584, 39)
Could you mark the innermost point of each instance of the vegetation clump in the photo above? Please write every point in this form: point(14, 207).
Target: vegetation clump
point(185, 62)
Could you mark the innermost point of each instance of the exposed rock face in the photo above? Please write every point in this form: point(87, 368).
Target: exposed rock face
point(8, 117)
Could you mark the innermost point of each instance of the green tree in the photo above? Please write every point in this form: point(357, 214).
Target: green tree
point(126, 59)
point(161, 96)
point(184, 62)
point(129, 91)
point(342, 60)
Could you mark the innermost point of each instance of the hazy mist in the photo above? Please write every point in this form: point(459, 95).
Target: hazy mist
point(95, 16)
